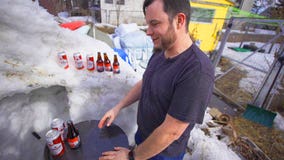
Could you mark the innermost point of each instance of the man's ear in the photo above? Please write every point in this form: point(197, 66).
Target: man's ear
point(181, 18)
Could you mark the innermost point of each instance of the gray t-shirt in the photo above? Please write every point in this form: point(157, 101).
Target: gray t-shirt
point(181, 87)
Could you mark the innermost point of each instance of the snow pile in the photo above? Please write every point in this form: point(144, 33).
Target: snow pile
point(30, 45)
point(35, 89)
point(208, 146)
point(279, 122)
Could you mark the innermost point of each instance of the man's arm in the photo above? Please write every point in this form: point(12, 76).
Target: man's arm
point(169, 131)
point(132, 96)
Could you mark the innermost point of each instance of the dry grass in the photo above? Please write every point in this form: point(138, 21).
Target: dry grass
point(269, 140)
point(229, 84)
point(277, 104)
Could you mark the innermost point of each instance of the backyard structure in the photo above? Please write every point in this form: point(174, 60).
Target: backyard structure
point(263, 38)
point(207, 20)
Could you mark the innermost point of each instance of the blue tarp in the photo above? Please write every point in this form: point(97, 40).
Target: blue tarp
point(122, 54)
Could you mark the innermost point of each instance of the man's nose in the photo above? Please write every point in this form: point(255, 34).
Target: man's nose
point(149, 31)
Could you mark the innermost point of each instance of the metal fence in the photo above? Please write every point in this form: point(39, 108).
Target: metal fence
point(120, 16)
point(116, 17)
point(247, 61)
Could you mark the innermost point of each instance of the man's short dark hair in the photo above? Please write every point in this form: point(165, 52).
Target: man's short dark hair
point(172, 8)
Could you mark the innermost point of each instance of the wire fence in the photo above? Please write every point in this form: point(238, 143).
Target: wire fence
point(246, 61)
point(116, 17)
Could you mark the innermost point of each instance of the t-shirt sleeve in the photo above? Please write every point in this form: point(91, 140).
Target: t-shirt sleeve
point(191, 97)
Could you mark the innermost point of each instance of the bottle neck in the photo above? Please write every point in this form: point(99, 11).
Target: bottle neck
point(106, 58)
point(99, 58)
point(72, 130)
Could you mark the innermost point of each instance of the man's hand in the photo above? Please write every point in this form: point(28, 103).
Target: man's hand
point(108, 118)
point(132, 96)
point(119, 153)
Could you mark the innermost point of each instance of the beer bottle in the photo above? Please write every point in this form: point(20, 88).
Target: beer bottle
point(115, 65)
point(100, 63)
point(73, 137)
point(107, 63)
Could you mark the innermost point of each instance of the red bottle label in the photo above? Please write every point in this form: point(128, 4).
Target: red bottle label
point(108, 67)
point(116, 69)
point(74, 142)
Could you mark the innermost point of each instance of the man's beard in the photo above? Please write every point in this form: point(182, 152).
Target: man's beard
point(157, 50)
point(167, 40)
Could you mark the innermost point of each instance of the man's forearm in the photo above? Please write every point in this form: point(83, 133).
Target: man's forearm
point(153, 145)
point(169, 131)
point(132, 96)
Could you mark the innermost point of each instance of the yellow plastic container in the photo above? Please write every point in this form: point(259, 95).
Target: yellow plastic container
point(207, 21)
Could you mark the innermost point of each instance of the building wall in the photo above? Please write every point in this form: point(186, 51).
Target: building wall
point(130, 12)
point(56, 6)
point(49, 5)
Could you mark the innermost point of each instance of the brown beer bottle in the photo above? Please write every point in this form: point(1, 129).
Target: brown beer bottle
point(107, 63)
point(73, 137)
point(115, 65)
point(100, 63)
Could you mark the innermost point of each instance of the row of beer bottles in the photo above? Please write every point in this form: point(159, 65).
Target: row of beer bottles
point(105, 65)
point(102, 65)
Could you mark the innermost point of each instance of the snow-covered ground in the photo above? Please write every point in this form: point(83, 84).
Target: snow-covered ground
point(260, 61)
point(35, 89)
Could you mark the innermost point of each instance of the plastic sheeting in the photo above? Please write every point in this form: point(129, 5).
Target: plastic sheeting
point(135, 44)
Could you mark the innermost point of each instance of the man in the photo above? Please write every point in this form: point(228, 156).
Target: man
point(174, 91)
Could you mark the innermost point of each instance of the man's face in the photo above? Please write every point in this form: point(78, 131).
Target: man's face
point(160, 29)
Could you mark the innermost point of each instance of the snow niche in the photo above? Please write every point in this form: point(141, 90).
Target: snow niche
point(22, 114)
